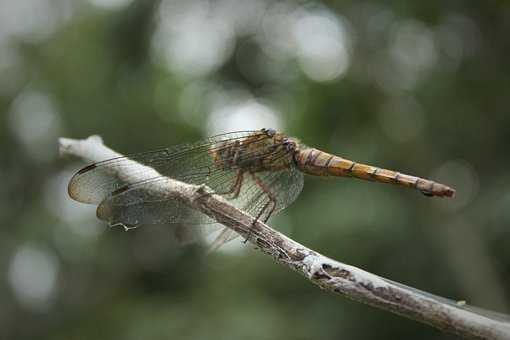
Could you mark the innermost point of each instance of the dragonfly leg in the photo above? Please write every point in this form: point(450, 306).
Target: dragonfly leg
point(270, 195)
point(271, 203)
point(238, 184)
point(235, 189)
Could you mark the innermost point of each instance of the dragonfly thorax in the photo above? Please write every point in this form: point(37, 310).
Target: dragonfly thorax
point(262, 151)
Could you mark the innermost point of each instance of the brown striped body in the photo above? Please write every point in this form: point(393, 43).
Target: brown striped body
point(315, 162)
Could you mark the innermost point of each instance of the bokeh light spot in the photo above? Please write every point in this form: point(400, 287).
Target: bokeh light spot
point(59, 203)
point(32, 20)
point(414, 46)
point(36, 124)
point(409, 58)
point(321, 44)
point(193, 43)
point(246, 115)
point(110, 4)
point(32, 276)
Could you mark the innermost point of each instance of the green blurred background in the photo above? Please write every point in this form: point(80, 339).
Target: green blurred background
point(420, 87)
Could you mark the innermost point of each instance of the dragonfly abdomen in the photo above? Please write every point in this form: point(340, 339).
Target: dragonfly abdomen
point(319, 163)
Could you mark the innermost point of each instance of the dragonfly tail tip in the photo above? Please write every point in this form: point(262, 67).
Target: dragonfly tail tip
point(445, 191)
point(449, 192)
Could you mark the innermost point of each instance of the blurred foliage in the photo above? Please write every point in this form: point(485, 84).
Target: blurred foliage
point(421, 87)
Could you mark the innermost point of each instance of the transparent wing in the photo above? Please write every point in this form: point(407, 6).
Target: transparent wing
point(269, 192)
point(260, 194)
point(95, 182)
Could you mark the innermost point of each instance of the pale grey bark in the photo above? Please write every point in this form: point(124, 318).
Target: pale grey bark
point(328, 274)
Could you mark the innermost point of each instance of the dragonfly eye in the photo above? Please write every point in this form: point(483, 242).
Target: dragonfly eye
point(289, 145)
point(270, 132)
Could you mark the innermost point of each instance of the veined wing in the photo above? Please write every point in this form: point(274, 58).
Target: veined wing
point(123, 199)
point(283, 188)
point(261, 194)
point(95, 182)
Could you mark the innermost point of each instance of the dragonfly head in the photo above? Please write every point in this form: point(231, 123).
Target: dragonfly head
point(270, 132)
point(288, 143)
point(279, 138)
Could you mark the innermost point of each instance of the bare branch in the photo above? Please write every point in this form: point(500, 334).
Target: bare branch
point(328, 274)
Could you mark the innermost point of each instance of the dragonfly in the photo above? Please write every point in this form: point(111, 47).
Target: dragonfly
point(260, 172)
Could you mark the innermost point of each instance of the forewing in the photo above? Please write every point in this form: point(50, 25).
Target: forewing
point(269, 192)
point(264, 194)
point(135, 204)
point(97, 181)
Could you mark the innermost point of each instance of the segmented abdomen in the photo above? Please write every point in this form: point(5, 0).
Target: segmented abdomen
point(319, 163)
